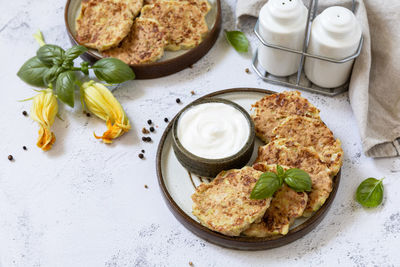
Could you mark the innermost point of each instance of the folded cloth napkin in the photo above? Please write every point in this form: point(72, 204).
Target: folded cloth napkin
point(375, 82)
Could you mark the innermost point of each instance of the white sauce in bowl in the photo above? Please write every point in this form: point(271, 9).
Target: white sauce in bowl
point(213, 130)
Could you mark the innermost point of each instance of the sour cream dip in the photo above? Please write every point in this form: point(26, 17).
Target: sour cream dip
point(213, 130)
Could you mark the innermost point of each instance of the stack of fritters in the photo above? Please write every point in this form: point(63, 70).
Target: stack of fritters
point(296, 138)
point(111, 27)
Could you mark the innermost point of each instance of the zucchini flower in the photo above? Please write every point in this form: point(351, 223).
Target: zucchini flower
point(101, 102)
point(44, 110)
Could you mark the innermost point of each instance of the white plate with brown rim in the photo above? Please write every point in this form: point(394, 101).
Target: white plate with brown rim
point(177, 185)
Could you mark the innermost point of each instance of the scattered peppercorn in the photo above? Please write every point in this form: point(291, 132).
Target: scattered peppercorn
point(247, 70)
point(190, 263)
point(141, 156)
point(143, 151)
point(148, 139)
point(24, 113)
point(145, 131)
point(144, 139)
point(178, 100)
point(192, 92)
point(166, 119)
point(88, 114)
point(145, 186)
point(151, 129)
point(24, 148)
point(10, 157)
point(149, 122)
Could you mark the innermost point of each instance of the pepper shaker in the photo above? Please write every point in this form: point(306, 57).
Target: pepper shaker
point(283, 23)
point(336, 34)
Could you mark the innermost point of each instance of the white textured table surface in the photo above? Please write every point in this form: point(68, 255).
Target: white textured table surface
point(84, 203)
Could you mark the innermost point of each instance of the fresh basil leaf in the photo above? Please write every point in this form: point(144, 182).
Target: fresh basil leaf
point(51, 74)
point(112, 70)
point(50, 54)
point(32, 72)
point(298, 180)
point(74, 52)
point(370, 192)
point(65, 87)
point(238, 40)
point(266, 186)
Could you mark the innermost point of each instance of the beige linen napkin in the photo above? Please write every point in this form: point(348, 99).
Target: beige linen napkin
point(375, 82)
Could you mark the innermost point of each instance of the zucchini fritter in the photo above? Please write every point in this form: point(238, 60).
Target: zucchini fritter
point(103, 24)
point(184, 23)
point(144, 44)
point(311, 132)
point(224, 205)
point(272, 109)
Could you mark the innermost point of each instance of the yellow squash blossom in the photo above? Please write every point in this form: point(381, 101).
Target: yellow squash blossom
point(44, 110)
point(101, 102)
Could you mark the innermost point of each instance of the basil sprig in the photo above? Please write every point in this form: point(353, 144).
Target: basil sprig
point(238, 40)
point(370, 192)
point(270, 182)
point(54, 67)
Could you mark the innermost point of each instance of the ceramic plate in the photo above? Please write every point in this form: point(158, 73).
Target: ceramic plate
point(177, 186)
point(172, 61)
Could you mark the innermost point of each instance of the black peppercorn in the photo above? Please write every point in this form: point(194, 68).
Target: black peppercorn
point(151, 129)
point(178, 100)
point(148, 139)
point(144, 139)
point(166, 119)
point(149, 122)
point(141, 156)
point(24, 113)
point(10, 157)
point(143, 151)
point(88, 114)
point(24, 148)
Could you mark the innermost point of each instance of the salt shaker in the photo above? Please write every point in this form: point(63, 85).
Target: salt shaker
point(336, 34)
point(283, 23)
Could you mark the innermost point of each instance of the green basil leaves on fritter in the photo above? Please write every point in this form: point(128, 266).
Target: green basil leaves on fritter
point(65, 87)
point(298, 180)
point(74, 52)
point(33, 71)
point(112, 70)
point(51, 54)
point(238, 40)
point(370, 192)
point(270, 182)
point(266, 186)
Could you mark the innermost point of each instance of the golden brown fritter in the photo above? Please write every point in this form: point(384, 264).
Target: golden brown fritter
point(103, 24)
point(311, 132)
point(184, 23)
point(291, 154)
point(272, 109)
point(224, 205)
point(144, 44)
point(286, 205)
point(203, 5)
